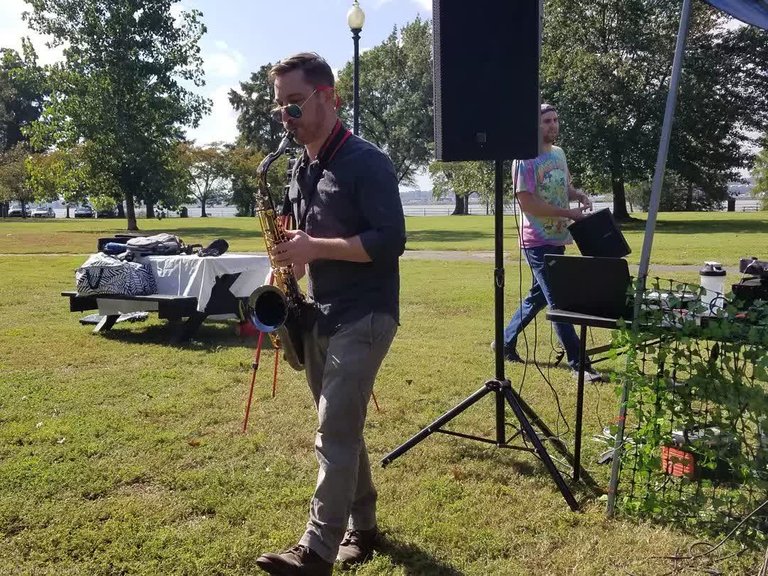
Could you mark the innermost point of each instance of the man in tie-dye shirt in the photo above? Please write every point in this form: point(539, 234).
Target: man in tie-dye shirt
point(544, 191)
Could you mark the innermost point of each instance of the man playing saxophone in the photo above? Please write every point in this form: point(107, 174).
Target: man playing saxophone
point(351, 231)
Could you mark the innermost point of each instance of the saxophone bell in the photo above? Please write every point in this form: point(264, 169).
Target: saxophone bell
point(267, 308)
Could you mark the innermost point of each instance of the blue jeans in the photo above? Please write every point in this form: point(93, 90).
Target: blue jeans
point(539, 297)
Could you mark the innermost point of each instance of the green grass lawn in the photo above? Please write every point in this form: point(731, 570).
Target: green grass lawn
point(680, 238)
point(120, 454)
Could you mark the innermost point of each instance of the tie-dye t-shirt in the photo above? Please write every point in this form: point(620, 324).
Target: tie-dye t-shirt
point(546, 176)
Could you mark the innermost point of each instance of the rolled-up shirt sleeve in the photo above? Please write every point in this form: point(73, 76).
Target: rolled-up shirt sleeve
point(380, 205)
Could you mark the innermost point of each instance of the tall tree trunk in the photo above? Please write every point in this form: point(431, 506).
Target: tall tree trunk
point(619, 199)
point(460, 206)
point(617, 186)
point(150, 210)
point(130, 212)
point(202, 209)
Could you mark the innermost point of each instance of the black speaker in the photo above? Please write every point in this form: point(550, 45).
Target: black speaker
point(486, 70)
point(597, 234)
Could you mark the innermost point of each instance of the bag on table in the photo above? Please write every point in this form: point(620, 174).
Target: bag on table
point(162, 244)
point(104, 274)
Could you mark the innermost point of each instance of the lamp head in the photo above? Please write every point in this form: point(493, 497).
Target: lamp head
point(356, 17)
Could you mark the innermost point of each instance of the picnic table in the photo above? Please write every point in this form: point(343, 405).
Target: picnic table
point(188, 287)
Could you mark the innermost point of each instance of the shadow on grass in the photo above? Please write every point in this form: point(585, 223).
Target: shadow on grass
point(517, 447)
point(413, 560)
point(209, 338)
point(711, 226)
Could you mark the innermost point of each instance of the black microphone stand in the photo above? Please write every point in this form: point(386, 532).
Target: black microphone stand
point(499, 386)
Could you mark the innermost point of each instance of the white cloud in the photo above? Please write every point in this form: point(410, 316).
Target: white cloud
point(225, 62)
point(221, 124)
point(13, 29)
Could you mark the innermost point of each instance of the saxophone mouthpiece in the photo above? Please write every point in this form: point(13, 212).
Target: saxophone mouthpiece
point(287, 139)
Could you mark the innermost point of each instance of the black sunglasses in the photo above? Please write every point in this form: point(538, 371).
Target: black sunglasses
point(293, 110)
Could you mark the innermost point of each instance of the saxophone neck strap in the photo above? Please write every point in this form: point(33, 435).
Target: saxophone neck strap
point(335, 139)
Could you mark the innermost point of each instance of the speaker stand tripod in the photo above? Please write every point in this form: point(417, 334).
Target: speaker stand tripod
point(499, 386)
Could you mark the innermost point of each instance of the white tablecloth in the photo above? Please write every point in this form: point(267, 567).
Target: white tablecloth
point(185, 275)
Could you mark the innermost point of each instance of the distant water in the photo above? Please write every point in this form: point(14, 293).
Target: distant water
point(445, 209)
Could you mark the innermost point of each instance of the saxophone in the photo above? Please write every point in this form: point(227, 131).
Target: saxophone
point(276, 309)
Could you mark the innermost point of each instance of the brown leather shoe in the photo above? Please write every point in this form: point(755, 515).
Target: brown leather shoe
point(297, 561)
point(357, 547)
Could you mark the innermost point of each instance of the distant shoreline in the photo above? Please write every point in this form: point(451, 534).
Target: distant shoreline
point(421, 209)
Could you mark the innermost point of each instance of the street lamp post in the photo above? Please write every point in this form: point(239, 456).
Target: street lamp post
point(356, 19)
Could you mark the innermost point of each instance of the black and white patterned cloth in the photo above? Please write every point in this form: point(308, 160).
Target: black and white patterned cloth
point(104, 274)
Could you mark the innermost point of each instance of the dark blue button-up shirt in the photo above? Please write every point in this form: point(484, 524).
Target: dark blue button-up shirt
point(356, 194)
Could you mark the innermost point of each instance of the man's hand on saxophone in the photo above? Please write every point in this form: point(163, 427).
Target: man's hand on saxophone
point(298, 249)
point(301, 249)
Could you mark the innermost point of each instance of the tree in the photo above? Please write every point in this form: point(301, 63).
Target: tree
point(606, 66)
point(243, 163)
point(22, 93)
point(13, 177)
point(396, 100)
point(760, 175)
point(23, 89)
point(255, 104)
point(64, 173)
point(208, 170)
point(119, 91)
point(462, 179)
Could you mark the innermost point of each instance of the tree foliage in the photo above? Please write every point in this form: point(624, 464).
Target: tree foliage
point(208, 171)
point(606, 64)
point(462, 179)
point(243, 163)
point(13, 176)
point(396, 100)
point(119, 91)
point(254, 104)
point(23, 88)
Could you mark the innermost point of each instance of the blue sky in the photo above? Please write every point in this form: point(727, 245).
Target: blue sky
point(245, 34)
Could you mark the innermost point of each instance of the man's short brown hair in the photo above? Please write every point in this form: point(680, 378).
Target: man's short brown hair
point(547, 108)
point(316, 70)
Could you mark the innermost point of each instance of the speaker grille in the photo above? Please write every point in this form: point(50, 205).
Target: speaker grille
point(486, 67)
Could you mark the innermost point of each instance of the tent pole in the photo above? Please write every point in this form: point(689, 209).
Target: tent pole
point(666, 132)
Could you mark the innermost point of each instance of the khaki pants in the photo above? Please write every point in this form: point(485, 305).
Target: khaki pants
point(341, 370)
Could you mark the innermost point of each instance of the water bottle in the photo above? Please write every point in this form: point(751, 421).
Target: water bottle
point(712, 280)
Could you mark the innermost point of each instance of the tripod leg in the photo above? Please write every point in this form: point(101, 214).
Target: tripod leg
point(255, 367)
point(512, 398)
point(558, 444)
point(437, 424)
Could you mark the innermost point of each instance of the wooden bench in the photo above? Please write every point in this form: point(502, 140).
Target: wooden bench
point(167, 306)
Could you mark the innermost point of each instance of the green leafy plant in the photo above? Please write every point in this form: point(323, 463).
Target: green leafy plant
point(697, 435)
